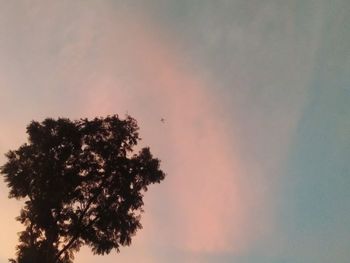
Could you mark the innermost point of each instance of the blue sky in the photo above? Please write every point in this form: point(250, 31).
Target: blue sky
point(256, 99)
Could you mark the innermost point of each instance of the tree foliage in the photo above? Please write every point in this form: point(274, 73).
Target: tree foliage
point(82, 184)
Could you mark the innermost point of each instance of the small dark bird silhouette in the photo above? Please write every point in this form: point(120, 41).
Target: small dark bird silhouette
point(162, 120)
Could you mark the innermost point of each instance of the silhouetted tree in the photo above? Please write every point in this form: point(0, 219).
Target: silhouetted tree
point(82, 184)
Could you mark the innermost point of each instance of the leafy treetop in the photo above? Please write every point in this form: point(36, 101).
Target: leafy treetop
point(82, 184)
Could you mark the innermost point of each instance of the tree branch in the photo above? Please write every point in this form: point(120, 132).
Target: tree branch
point(80, 219)
point(69, 244)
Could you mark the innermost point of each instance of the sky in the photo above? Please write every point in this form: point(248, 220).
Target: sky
point(255, 95)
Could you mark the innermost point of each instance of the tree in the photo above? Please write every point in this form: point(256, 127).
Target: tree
point(82, 184)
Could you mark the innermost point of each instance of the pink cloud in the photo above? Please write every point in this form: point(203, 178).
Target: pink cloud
point(142, 72)
point(120, 61)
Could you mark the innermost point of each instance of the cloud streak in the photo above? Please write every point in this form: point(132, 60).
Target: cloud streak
point(206, 195)
point(89, 59)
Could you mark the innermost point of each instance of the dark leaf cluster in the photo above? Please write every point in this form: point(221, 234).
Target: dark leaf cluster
point(82, 183)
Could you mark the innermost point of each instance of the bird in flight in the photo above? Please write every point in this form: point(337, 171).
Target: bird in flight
point(162, 120)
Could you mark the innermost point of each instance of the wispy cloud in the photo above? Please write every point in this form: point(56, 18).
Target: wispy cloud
point(231, 90)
